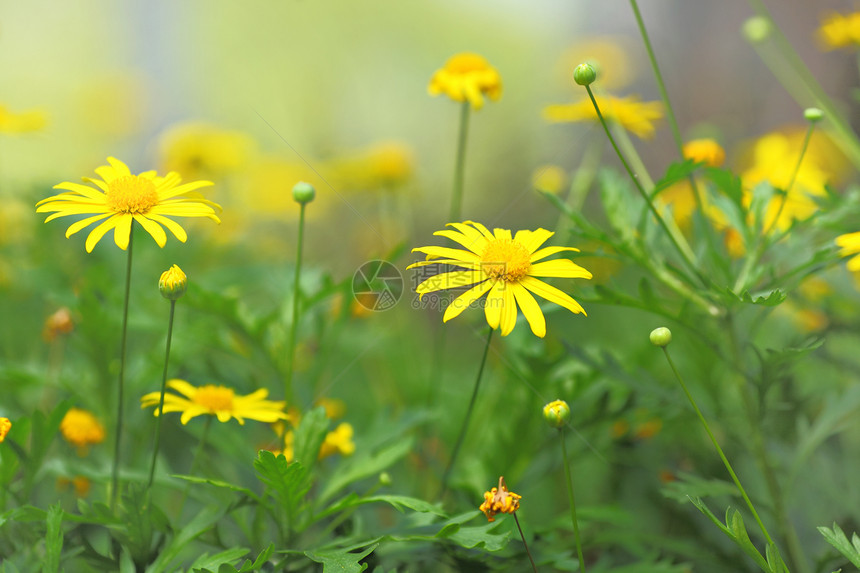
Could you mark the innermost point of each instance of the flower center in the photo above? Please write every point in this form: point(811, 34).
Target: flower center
point(216, 398)
point(506, 260)
point(131, 194)
point(465, 63)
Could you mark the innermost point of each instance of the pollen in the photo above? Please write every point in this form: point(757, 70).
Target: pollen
point(215, 398)
point(131, 194)
point(504, 259)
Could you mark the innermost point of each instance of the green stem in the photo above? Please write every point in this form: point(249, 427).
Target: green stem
point(629, 150)
point(465, 426)
point(572, 500)
point(460, 164)
point(114, 480)
point(161, 398)
point(677, 241)
point(847, 138)
point(718, 448)
point(201, 445)
point(762, 244)
point(523, 537)
point(291, 348)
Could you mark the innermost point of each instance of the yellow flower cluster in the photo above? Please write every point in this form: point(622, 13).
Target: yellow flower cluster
point(467, 77)
point(500, 500)
point(840, 31)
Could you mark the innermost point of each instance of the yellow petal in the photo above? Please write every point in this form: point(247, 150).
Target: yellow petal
point(531, 309)
point(122, 232)
point(153, 228)
point(552, 294)
point(463, 301)
point(559, 268)
point(99, 232)
point(494, 303)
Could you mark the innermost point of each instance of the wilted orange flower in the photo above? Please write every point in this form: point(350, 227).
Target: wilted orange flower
point(500, 500)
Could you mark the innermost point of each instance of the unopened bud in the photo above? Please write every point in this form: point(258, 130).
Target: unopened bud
point(556, 413)
point(304, 192)
point(661, 337)
point(172, 283)
point(584, 74)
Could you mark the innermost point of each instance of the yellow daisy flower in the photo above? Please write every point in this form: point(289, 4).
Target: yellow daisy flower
point(219, 401)
point(504, 267)
point(5, 426)
point(629, 112)
point(467, 77)
point(549, 179)
point(339, 441)
point(81, 428)
point(121, 198)
point(500, 500)
point(840, 31)
point(201, 150)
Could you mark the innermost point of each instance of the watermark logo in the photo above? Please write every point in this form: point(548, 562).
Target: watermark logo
point(377, 285)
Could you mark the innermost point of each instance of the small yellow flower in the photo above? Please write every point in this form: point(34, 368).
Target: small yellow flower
point(24, 122)
point(840, 31)
point(506, 267)
point(334, 408)
point(80, 485)
point(705, 151)
point(467, 77)
point(219, 401)
point(173, 283)
point(122, 198)
point(500, 500)
point(81, 428)
point(338, 441)
point(629, 112)
point(58, 323)
point(549, 179)
point(5, 426)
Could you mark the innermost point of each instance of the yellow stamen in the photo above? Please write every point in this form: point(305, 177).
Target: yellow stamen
point(506, 260)
point(216, 398)
point(131, 194)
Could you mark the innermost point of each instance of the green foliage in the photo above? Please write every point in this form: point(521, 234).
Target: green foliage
point(837, 538)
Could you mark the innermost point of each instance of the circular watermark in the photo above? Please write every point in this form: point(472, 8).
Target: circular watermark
point(377, 285)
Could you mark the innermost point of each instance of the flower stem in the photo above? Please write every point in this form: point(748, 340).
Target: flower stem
point(201, 445)
point(572, 500)
point(678, 241)
point(718, 448)
point(114, 480)
point(752, 261)
point(460, 164)
point(161, 398)
point(465, 426)
point(523, 537)
point(288, 385)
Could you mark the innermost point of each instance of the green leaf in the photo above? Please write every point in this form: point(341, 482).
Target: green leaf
point(202, 522)
point(742, 538)
point(676, 172)
point(219, 484)
point(704, 509)
point(399, 502)
point(365, 464)
point(690, 486)
point(482, 536)
point(210, 562)
point(774, 559)
point(772, 298)
point(340, 560)
point(727, 182)
point(836, 537)
point(53, 539)
point(258, 563)
point(309, 437)
point(289, 481)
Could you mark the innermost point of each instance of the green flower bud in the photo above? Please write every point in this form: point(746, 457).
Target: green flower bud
point(304, 192)
point(813, 114)
point(584, 74)
point(384, 478)
point(757, 29)
point(172, 283)
point(556, 413)
point(661, 337)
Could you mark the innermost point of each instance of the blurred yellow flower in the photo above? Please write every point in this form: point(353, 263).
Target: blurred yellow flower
point(5, 426)
point(24, 122)
point(80, 485)
point(629, 112)
point(58, 323)
point(507, 267)
point(383, 165)
point(549, 179)
point(705, 151)
point(840, 31)
point(467, 77)
point(81, 428)
point(850, 247)
point(334, 408)
point(219, 401)
point(607, 55)
point(338, 441)
point(500, 500)
point(122, 198)
point(198, 149)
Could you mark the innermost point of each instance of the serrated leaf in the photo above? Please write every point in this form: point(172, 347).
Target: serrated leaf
point(261, 559)
point(53, 539)
point(341, 560)
point(772, 298)
point(289, 480)
point(836, 537)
